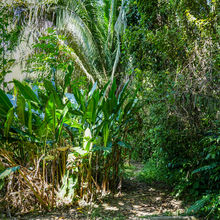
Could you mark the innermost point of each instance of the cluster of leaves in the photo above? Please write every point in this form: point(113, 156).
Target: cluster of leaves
point(72, 137)
point(79, 136)
point(207, 177)
point(50, 56)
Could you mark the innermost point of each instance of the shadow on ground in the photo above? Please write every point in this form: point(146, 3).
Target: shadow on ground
point(138, 200)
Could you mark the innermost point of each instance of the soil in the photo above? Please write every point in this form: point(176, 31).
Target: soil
point(137, 200)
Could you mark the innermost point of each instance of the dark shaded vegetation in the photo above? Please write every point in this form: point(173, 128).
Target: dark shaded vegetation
point(109, 82)
point(174, 48)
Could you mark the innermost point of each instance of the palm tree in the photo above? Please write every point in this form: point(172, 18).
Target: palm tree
point(93, 29)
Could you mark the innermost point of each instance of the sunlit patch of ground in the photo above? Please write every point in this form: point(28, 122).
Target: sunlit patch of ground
point(139, 200)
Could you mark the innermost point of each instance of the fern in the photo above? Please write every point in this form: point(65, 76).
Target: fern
point(199, 204)
point(204, 168)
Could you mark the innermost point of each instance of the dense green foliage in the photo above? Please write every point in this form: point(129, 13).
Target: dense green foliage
point(76, 138)
point(174, 49)
point(64, 135)
point(66, 131)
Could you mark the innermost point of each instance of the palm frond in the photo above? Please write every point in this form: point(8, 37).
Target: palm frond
point(93, 30)
point(120, 26)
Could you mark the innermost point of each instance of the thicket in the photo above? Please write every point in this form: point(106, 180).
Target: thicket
point(65, 145)
point(174, 49)
point(64, 137)
point(62, 134)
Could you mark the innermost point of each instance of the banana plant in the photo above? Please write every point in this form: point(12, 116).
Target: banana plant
point(35, 117)
point(5, 104)
point(80, 135)
point(101, 113)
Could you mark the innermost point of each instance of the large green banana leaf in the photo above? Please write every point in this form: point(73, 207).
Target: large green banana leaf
point(5, 104)
point(51, 90)
point(50, 113)
point(20, 109)
point(10, 117)
point(26, 91)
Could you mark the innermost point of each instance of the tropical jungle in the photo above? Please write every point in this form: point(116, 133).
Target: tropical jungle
point(109, 109)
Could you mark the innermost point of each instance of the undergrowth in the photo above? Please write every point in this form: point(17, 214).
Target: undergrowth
point(155, 170)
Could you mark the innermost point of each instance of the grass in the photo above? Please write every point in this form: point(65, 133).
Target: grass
point(153, 172)
point(129, 171)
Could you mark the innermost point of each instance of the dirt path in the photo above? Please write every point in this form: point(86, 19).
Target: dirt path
point(137, 200)
point(140, 200)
